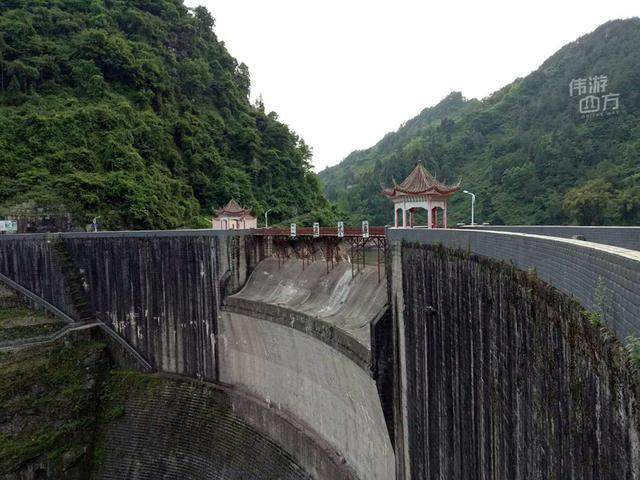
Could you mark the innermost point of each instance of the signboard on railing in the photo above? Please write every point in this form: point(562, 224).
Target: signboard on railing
point(293, 230)
point(365, 229)
point(340, 229)
point(8, 226)
point(316, 230)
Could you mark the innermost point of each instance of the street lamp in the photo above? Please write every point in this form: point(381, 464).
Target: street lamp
point(94, 224)
point(473, 204)
point(266, 221)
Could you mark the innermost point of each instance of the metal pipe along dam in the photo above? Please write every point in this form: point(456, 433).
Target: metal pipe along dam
point(408, 354)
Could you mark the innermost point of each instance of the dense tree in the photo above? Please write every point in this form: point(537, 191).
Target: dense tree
point(134, 111)
point(525, 150)
point(590, 203)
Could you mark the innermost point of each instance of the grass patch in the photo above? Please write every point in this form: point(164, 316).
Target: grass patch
point(29, 331)
point(633, 347)
point(21, 322)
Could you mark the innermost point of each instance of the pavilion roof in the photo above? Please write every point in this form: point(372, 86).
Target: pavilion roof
point(420, 182)
point(233, 209)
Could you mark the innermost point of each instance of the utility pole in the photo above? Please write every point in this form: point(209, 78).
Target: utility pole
point(473, 205)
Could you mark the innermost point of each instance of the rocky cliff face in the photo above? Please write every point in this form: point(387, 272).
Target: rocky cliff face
point(507, 378)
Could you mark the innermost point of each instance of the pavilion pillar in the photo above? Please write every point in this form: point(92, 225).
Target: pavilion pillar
point(444, 216)
point(411, 218)
point(429, 216)
point(395, 215)
point(404, 217)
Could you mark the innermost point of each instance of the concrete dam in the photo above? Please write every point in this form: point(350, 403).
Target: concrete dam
point(475, 355)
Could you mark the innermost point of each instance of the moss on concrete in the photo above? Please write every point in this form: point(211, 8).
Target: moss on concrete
point(48, 404)
point(117, 388)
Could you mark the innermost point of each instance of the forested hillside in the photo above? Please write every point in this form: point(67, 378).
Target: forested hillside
point(133, 110)
point(527, 151)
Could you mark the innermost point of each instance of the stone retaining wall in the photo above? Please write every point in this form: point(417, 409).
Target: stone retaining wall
point(179, 429)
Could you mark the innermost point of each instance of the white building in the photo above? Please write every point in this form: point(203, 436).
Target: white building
point(233, 217)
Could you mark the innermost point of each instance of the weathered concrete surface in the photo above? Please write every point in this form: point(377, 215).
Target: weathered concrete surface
point(323, 331)
point(313, 382)
point(337, 298)
point(160, 291)
point(160, 294)
point(301, 338)
point(173, 429)
point(31, 262)
point(602, 278)
point(504, 377)
point(624, 237)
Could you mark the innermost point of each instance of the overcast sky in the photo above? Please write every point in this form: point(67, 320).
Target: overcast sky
point(342, 73)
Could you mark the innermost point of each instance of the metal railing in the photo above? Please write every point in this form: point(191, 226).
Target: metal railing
point(324, 232)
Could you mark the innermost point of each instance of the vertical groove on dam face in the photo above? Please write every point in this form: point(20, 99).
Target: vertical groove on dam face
point(160, 294)
point(33, 264)
point(508, 379)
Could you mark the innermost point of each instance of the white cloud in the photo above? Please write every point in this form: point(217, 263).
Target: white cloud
point(344, 73)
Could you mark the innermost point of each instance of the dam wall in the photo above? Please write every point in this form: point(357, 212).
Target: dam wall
point(159, 291)
point(32, 261)
point(623, 237)
point(502, 376)
point(161, 294)
point(293, 355)
point(603, 279)
point(458, 366)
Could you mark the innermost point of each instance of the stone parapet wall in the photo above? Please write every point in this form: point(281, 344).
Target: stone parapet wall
point(601, 278)
point(623, 237)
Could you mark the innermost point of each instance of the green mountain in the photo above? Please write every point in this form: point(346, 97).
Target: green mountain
point(527, 151)
point(134, 111)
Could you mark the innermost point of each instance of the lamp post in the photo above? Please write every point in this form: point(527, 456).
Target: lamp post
point(266, 221)
point(94, 224)
point(473, 204)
